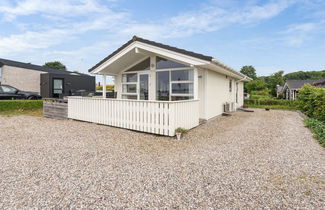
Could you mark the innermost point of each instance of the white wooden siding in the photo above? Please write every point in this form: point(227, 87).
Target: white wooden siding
point(158, 117)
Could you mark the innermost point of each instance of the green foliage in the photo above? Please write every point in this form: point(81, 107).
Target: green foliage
point(108, 87)
point(270, 101)
point(20, 105)
point(311, 101)
point(181, 130)
point(255, 85)
point(301, 75)
point(318, 127)
point(274, 80)
point(285, 107)
point(55, 65)
point(260, 94)
point(249, 71)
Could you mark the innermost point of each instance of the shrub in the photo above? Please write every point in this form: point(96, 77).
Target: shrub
point(255, 85)
point(20, 105)
point(311, 101)
point(264, 92)
point(181, 130)
point(318, 127)
point(270, 101)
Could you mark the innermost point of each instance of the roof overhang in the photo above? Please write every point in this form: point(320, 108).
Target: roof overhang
point(139, 49)
point(221, 68)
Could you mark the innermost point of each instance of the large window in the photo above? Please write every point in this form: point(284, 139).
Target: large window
point(142, 66)
point(163, 86)
point(175, 85)
point(162, 63)
point(129, 86)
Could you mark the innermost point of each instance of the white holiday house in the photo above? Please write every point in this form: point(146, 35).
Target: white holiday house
point(160, 88)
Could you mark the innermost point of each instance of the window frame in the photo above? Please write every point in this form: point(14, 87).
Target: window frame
point(171, 94)
point(230, 85)
point(130, 83)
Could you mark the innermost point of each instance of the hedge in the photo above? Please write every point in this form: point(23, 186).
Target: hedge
point(318, 127)
point(11, 105)
point(311, 101)
point(270, 101)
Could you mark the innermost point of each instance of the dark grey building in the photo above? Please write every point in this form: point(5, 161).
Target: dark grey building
point(291, 88)
point(48, 82)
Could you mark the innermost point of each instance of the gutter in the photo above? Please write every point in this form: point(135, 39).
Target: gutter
point(245, 77)
point(215, 61)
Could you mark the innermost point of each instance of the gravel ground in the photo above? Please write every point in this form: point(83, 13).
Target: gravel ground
point(247, 161)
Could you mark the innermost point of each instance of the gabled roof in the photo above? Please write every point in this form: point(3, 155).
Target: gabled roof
point(296, 84)
point(320, 84)
point(36, 67)
point(167, 47)
point(115, 61)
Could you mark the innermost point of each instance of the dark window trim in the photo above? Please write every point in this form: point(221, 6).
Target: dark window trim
point(56, 78)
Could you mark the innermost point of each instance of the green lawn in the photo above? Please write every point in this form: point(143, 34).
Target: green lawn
point(21, 107)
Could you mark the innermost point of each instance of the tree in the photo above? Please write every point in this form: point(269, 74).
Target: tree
point(249, 71)
point(255, 85)
point(274, 80)
point(55, 65)
point(304, 75)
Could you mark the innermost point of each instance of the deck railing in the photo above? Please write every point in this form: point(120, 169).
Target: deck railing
point(159, 117)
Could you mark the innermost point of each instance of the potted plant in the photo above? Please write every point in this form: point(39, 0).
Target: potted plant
point(179, 131)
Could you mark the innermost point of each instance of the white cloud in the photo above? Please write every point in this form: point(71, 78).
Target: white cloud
point(298, 34)
point(207, 19)
point(67, 20)
point(59, 7)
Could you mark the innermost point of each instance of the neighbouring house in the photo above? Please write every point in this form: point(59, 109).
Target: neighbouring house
point(278, 90)
point(320, 84)
point(291, 88)
point(160, 88)
point(48, 82)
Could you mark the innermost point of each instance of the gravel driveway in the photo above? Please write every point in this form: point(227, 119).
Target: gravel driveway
point(249, 160)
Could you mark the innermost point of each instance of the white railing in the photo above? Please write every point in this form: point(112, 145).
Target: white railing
point(159, 117)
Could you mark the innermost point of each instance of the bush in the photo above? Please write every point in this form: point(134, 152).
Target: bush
point(270, 101)
point(318, 128)
point(20, 105)
point(264, 92)
point(311, 101)
point(255, 85)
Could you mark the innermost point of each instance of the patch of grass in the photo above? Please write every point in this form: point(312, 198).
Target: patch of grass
point(318, 128)
point(21, 107)
point(8, 105)
point(33, 112)
point(285, 107)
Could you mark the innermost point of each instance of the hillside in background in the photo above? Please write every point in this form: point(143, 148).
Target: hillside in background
point(304, 75)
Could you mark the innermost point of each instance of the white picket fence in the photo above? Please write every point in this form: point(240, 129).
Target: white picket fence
point(159, 117)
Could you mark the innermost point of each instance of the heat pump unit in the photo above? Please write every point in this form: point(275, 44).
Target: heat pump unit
point(226, 107)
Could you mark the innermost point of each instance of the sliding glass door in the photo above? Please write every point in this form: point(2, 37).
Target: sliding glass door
point(144, 86)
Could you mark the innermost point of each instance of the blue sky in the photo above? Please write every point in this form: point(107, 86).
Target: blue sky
point(271, 35)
